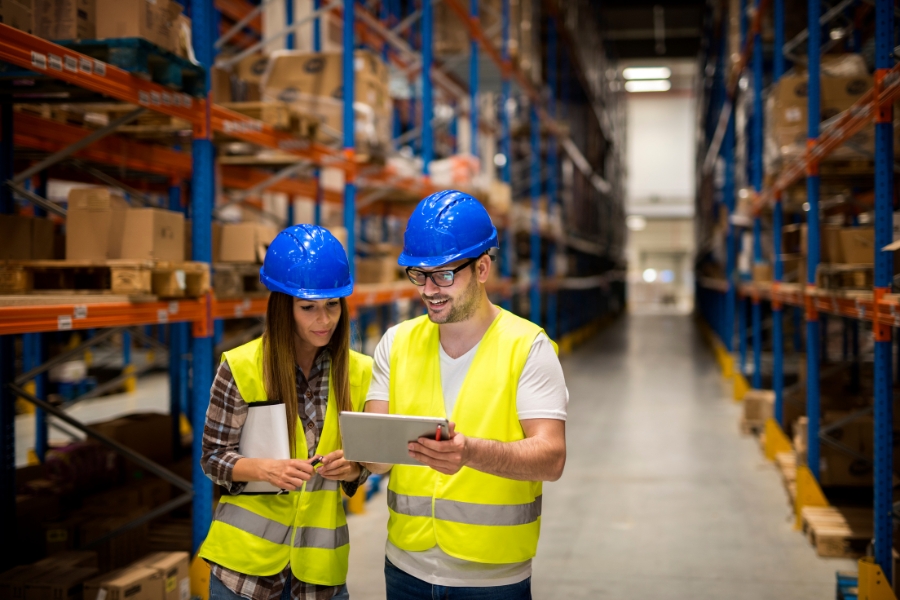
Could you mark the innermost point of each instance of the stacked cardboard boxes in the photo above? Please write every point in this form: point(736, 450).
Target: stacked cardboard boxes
point(100, 225)
point(313, 83)
point(18, 14)
point(26, 238)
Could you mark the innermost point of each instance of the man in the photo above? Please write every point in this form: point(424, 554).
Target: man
point(472, 520)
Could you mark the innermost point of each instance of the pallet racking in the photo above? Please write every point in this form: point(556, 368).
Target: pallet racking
point(722, 299)
point(193, 323)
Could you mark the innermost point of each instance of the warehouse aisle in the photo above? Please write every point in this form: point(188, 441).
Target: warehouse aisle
point(661, 498)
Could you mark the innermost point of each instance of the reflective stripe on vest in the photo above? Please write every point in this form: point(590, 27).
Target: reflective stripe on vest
point(466, 512)
point(252, 523)
point(320, 537)
point(319, 483)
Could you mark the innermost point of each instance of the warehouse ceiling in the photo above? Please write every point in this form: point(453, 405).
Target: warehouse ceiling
point(646, 29)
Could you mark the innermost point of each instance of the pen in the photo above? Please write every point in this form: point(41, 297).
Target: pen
point(437, 434)
point(316, 461)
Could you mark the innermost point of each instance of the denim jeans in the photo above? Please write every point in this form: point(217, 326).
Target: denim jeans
point(218, 591)
point(403, 586)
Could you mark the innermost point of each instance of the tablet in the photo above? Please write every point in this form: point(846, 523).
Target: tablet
point(370, 437)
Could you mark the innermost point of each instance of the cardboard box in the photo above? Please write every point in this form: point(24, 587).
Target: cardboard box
point(43, 239)
point(174, 568)
point(18, 15)
point(15, 237)
point(149, 434)
point(858, 245)
point(379, 269)
point(65, 19)
point(147, 19)
point(786, 126)
point(153, 234)
point(95, 224)
point(313, 83)
point(121, 549)
point(762, 272)
point(220, 85)
point(758, 406)
point(131, 583)
point(245, 242)
point(830, 248)
point(61, 583)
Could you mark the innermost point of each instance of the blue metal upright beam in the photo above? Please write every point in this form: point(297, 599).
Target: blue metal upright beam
point(814, 9)
point(349, 131)
point(729, 199)
point(884, 194)
point(288, 21)
point(317, 172)
point(202, 202)
point(535, 291)
point(553, 165)
point(777, 224)
point(473, 82)
point(178, 365)
point(756, 168)
point(507, 243)
point(427, 24)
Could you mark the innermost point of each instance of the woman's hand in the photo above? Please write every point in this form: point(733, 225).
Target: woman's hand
point(336, 468)
point(287, 474)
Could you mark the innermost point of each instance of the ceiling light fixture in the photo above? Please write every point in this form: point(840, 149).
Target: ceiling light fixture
point(653, 85)
point(647, 73)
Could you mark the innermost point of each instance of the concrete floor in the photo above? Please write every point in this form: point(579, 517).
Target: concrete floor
point(661, 497)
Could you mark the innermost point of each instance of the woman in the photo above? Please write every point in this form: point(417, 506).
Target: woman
point(280, 530)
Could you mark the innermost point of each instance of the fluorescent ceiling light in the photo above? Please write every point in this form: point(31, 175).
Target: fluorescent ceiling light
point(647, 73)
point(654, 85)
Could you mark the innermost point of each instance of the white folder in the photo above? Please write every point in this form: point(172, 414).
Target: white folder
point(265, 435)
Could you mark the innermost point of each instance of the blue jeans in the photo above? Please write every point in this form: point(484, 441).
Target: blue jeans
point(403, 586)
point(218, 591)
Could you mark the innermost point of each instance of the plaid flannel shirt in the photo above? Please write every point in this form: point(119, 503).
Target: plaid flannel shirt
point(221, 435)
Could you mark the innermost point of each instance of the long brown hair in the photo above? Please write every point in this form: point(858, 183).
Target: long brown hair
point(279, 363)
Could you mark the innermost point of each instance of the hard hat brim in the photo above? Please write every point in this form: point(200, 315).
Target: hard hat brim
point(305, 294)
point(428, 262)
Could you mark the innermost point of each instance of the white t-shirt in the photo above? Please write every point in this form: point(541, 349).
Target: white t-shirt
point(541, 394)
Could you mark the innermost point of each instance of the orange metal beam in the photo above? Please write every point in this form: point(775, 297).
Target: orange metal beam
point(47, 58)
point(62, 317)
point(50, 136)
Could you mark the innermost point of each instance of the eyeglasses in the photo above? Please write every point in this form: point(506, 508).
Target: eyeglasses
point(439, 278)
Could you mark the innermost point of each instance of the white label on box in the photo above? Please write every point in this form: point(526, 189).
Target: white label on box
point(100, 68)
point(154, 98)
point(80, 312)
point(180, 279)
point(239, 311)
point(162, 315)
point(167, 99)
point(86, 65)
point(64, 322)
point(101, 594)
point(55, 62)
point(186, 589)
point(143, 98)
point(71, 64)
point(176, 99)
point(38, 60)
point(173, 308)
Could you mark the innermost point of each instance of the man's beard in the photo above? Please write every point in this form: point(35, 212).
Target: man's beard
point(462, 308)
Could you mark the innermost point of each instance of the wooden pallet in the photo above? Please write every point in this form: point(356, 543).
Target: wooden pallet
point(280, 115)
point(845, 277)
point(118, 277)
point(237, 280)
point(838, 532)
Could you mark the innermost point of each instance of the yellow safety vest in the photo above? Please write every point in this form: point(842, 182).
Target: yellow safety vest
point(471, 515)
point(259, 534)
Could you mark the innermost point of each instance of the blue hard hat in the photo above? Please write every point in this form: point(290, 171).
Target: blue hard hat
point(447, 226)
point(306, 261)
